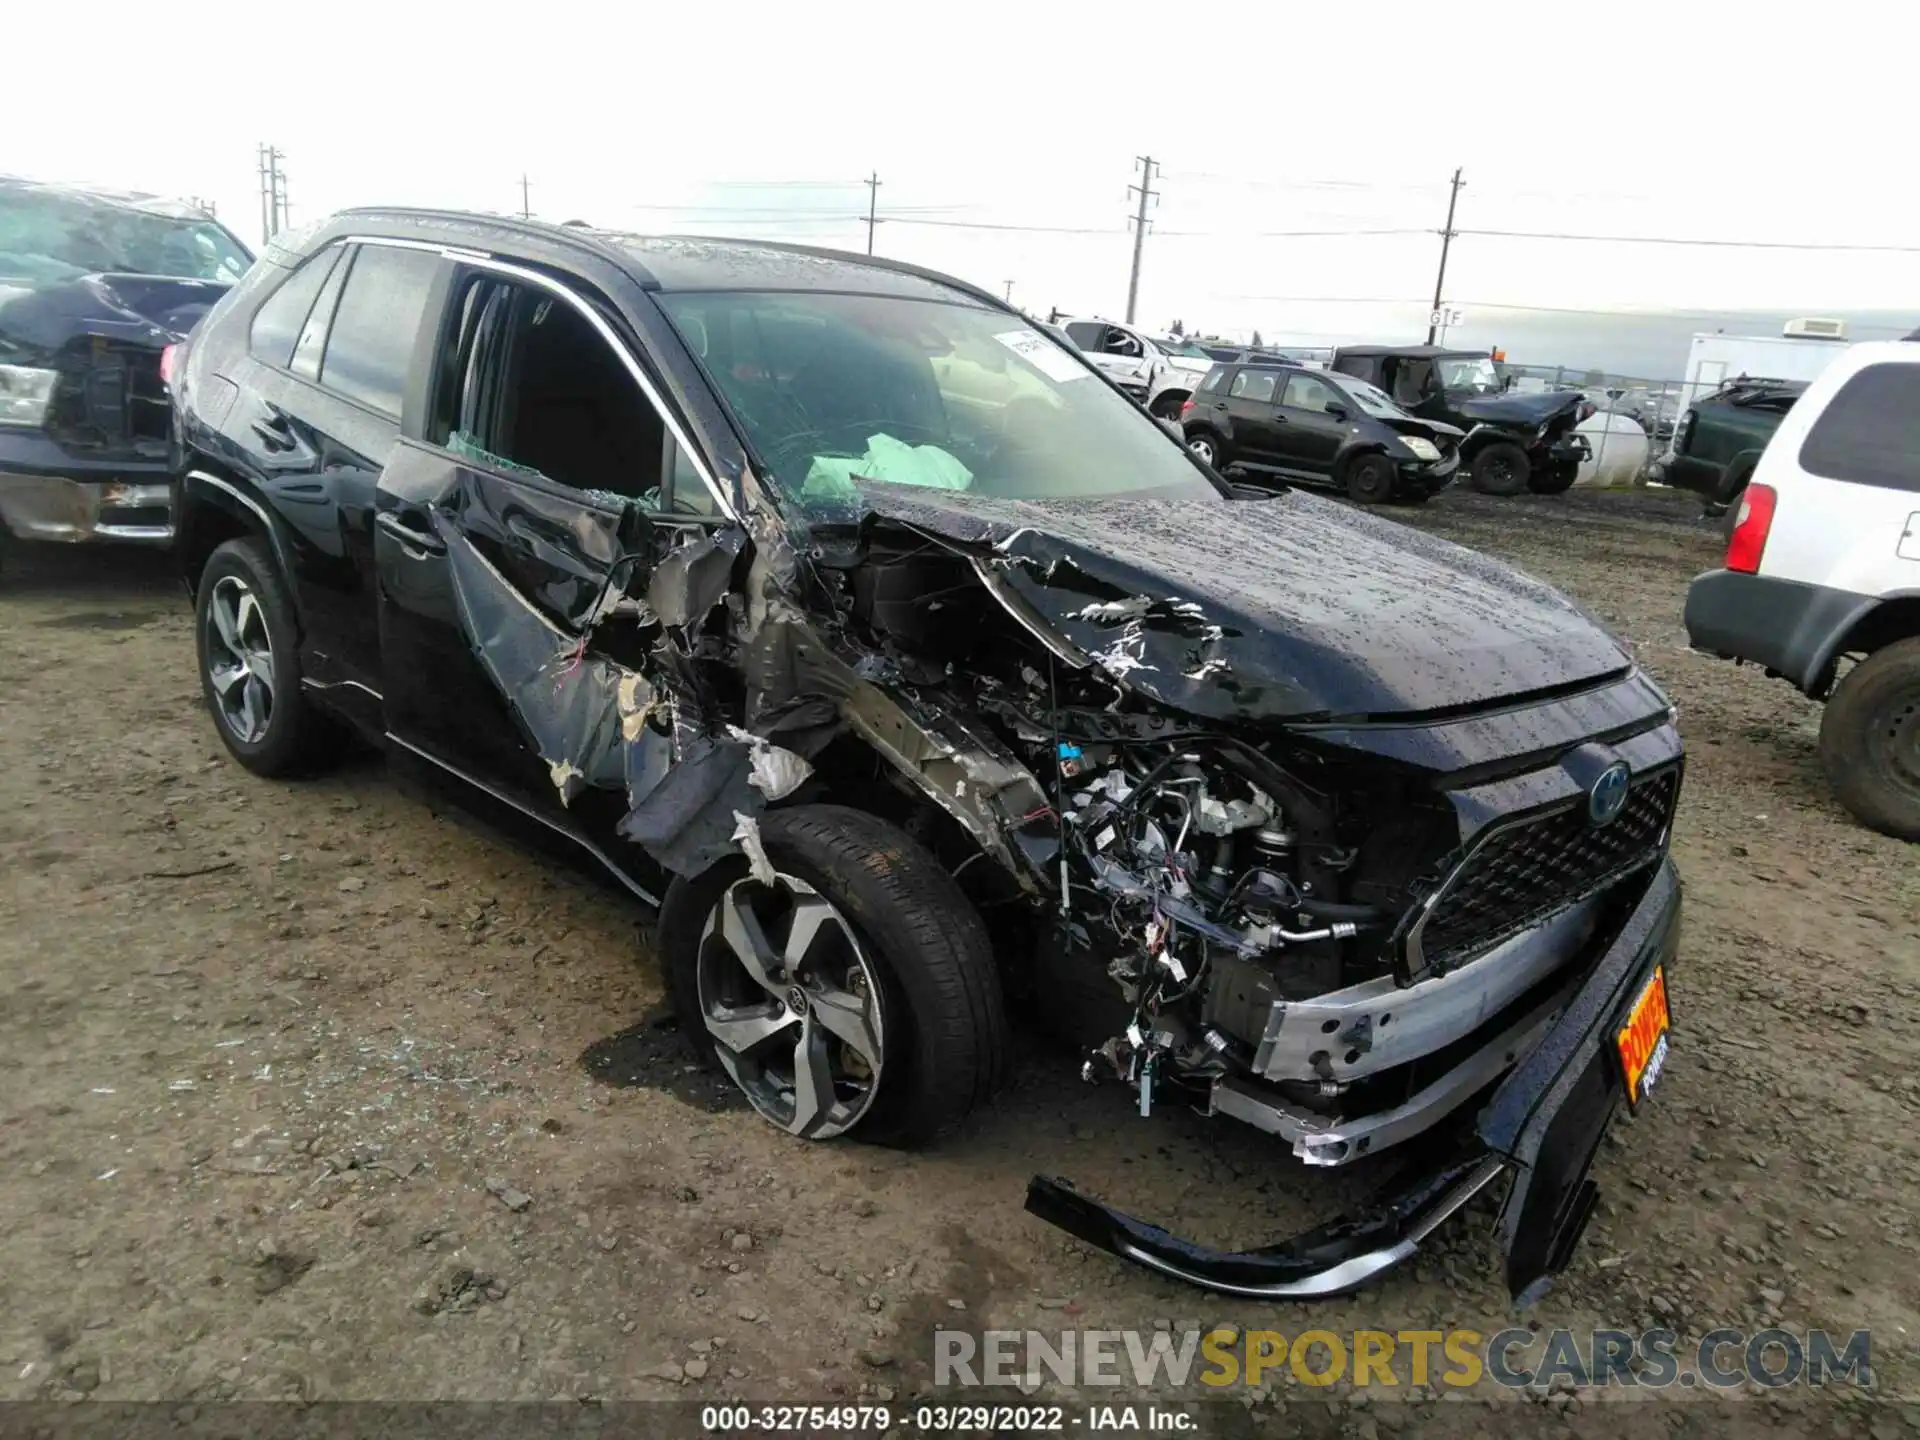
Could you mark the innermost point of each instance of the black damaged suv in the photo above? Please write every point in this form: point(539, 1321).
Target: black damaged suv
point(1318, 427)
point(920, 675)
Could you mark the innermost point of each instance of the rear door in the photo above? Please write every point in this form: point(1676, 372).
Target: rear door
point(1253, 415)
point(1312, 435)
point(329, 353)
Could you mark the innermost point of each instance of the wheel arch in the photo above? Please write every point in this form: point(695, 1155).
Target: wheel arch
point(1481, 436)
point(1344, 460)
point(215, 507)
point(1895, 617)
point(1170, 400)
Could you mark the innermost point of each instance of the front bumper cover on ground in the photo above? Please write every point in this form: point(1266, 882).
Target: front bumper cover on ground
point(1542, 1125)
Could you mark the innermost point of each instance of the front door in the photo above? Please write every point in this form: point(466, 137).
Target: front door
point(1313, 434)
point(506, 536)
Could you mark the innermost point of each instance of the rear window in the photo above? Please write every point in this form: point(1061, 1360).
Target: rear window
point(1869, 434)
point(278, 321)
point(371, 343)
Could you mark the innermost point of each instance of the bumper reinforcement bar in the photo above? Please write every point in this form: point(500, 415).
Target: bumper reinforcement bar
point(1332, 1259)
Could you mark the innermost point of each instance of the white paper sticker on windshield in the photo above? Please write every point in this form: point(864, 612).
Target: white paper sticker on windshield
point(1043, 354)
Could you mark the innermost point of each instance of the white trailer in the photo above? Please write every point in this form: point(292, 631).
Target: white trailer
point(1800, 352)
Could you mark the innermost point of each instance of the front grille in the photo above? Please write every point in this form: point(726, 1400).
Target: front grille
point(1520, 875)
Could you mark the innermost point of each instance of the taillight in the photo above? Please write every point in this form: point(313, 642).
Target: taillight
point(1185, 406)
point(168, 357)
point(1750, 529)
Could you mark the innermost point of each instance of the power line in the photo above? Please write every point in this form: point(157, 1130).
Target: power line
point(1145, 191)
point(1715, 316)
point(1677, 240)
point(897, 219)
point(1303, 234)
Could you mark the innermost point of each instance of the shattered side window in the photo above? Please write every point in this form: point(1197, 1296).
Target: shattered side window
point(832, 390)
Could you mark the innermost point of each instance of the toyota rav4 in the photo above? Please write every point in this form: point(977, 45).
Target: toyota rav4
point(922, 676)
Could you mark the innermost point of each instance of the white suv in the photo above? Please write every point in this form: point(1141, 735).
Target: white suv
point(1823, 566)
point(1160, 374)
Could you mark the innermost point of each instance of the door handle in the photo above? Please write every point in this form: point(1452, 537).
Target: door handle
point(1219, 404)
point(412, 539)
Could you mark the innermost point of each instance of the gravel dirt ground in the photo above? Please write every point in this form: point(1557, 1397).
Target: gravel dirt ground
point(329, 1090)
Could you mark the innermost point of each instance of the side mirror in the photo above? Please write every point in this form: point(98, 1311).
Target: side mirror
point(1337, 410)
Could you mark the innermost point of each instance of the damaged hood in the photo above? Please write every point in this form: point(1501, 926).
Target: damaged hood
point(38, 319)
point(1512, 409)
point(1283, 608)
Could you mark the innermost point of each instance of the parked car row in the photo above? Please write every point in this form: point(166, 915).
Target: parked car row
point(743, 565)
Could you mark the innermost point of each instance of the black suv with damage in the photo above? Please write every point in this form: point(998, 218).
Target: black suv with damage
point(1319, 428)
point(94, 285)
point(920, 675)
point(1513, 442)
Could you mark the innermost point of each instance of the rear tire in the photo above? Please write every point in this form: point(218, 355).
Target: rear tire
point(1167, 407)
point(941, 1029)
point(1870, 740)
point(249, 651)
point(1501, 468)
point(1370, 479)
point(1209, 449)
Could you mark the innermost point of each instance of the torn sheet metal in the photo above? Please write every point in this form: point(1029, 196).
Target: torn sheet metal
point(691, 580)
point(562, 556)
point(686, 822)
point(567, 700)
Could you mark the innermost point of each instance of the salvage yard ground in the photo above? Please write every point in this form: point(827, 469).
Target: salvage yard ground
point(331, 1091)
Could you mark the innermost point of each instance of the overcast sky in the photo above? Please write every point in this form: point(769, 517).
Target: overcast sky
point(1685, 120)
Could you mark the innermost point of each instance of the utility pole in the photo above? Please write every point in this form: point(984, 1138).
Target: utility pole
point(526, 212)
point(273, 193)
point(1146, 193)
point(1446, 240)
point(1009, 292)
point(873, 201)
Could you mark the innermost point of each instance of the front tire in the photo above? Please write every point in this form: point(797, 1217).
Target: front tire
point(1501, 468)
point(249, 649)
point(1870, 740)
point(1370, 479)
point(857, 993)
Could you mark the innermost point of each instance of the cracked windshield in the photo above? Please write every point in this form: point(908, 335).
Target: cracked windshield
point(48, 236)
point(834, 389)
